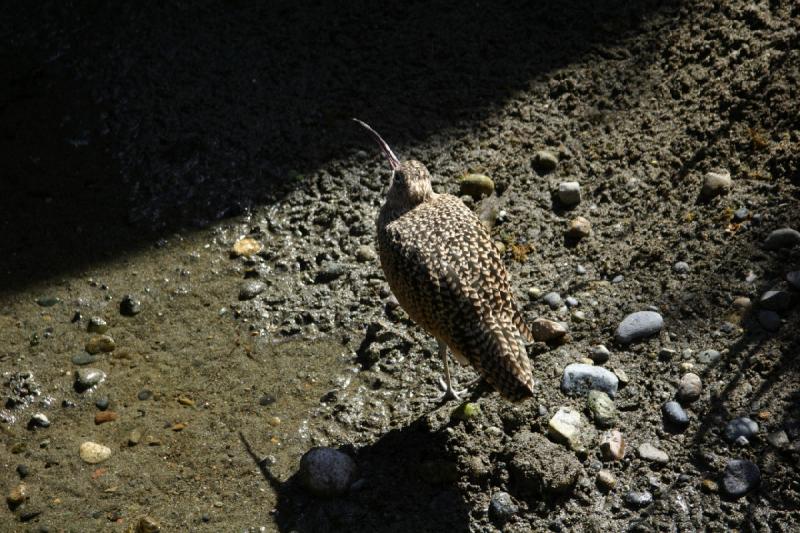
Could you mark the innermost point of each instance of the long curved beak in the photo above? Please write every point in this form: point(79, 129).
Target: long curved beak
point(393, 161)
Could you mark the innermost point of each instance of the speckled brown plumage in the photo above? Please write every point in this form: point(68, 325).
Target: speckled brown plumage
point(447, 274)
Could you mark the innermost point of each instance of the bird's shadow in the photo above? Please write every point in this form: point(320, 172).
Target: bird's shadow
point(407, 481)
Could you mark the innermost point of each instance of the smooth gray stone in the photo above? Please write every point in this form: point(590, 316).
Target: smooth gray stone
point(639, 325)
point(740, 427)
point(776, 300)
point(579, 378)
point(675, 415)
point(740, 477)
point(782, 238)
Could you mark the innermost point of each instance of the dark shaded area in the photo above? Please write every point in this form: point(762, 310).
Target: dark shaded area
point(407, 482)
point(126, 122)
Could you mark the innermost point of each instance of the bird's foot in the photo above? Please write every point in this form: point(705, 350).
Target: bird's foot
point(449, 392)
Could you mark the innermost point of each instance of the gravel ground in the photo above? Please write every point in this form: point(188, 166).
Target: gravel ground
point(189, 280)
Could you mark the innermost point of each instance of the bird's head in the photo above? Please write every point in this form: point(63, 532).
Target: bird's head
point(411, 181)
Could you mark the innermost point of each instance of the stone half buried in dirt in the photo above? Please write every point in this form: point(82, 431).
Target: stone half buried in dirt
point(327, 472)
point(639, 325)
point(541, 467)
point(580, 378)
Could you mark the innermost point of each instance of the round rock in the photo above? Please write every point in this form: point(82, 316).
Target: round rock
point(544, 161)
point(569, 192)
point(476, 186)
point(365, 254)
point(547, 330)
point(648, 452)
point(681, 267)
point(599, 354)
point(130, 305)
point(708, 357)
point(603, 410)
point(552, 299)
point(100, 343)
point(689, 388)
point(502, 508)
point(86, 378)
point(639, 325)
point(716, 184)
point(740, 427)
point(579, 378)
point(93, 453)
point(579, 227)
point(782, 238)
point(327, 472)
point(638, 499)
point(674, 415)
point(741, 476)
point(250, 289)
point(97, 325)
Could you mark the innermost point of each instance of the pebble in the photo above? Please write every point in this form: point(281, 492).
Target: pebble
point(579, 227)
point(466, 411)
point(83, 358)
point(130, 305)
point(331, 272)
point(246, 246)
point(502, 508)
point(553, 299)
point(648, 452)
point(23, 471)
point(105, 416)
point(39, 420)
point(740, 427)
point(619, 278)
point(326, 472)
point(638, 499)
point(476, 186)
point(782, 238)
point(599, 354)
point(769, 320)
point(603, 410)
point(565, 426)
point(675, 415)
point(365, 254)
point(579, 378)
point(667, 354)
point(776, 300)
point(147, 525)
point(794, 279)
point(102, 403)
point(778, 439)
point(17, 495)
point(612, 446)
point(606, 480)
point(134, 437)
point(86, 378)
point(639, 325)
point(716, 184)
point(709, 486)
point(144, 394)
point(689, 388)
point(740, 477)
point(544, 161)
point(580, 270)
point(708, 357)
point(571, 301)
point(93, 453)
point(547, 330)
point(740, 214)
point(100, 343)
point(569, 192)
point(97, 325)
point(251, 288)
point(681, 267)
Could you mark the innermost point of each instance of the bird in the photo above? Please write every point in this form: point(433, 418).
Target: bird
point(444, 269)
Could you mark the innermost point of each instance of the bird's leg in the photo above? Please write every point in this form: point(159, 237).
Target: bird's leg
point(447, 383)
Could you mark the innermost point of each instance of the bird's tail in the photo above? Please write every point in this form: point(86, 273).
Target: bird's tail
point(505, 362)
